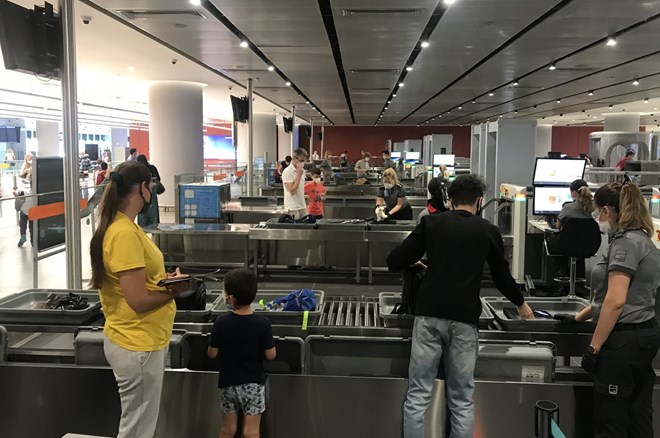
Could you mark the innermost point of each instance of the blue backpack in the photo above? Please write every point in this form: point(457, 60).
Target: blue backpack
point(296, 301)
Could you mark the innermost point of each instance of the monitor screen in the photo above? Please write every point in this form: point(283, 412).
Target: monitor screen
point(395, 155)
point(550, 200)
point(219, 147)
point(558, 172)
point(412, 156)
point(444, 159)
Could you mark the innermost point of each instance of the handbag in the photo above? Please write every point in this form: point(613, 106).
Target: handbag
point(160, 188)
point(412, 280)
point(193, 298)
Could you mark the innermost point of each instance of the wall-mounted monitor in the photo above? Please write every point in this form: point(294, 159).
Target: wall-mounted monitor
point(548, 201)
point(219, 147)
point(395, 155)
point(558, 172)
point(412, 156)
point(444, 159)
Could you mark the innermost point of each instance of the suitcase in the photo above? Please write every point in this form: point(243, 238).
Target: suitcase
point(88, 348)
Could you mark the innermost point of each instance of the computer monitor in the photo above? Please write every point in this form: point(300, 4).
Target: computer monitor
point(558, 172)
point(549, 200)
point(444, 159)
point(412, 156)
point(395, 155)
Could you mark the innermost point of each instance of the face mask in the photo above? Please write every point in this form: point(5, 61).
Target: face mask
point(317, 180)
point(385, 158)
point(366, 159)
point(479, 206)
point(388, 186)
point(147, 204)
point(604, 226)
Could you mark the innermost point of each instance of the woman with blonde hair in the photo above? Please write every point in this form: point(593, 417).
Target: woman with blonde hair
point(582, 205)
point(392, 198)
point(624, 284)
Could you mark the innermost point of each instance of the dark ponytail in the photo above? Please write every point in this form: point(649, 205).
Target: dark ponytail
point(120, 183)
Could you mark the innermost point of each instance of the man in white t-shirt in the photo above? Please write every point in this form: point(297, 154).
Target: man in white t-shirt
point(293, 178)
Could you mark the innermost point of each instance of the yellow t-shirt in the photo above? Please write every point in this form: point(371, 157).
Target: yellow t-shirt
point(126, 247)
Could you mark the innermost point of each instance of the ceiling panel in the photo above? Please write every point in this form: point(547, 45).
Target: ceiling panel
point(571, 28)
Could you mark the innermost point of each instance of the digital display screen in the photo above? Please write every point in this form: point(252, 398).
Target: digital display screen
point(550, 200)
point(219, 147)
point(395, 155)
point(48, 177)
point(412, 156)
point(558, 172)
point(444, 159)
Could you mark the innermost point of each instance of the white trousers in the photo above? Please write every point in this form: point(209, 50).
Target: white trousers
point(139, 376)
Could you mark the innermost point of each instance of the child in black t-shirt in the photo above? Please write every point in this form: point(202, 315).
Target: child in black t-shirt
point(241, 339)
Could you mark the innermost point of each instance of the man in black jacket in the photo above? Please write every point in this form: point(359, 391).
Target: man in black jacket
point(447, 309)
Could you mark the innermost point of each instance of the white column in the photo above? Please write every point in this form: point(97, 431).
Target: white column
point(48, 138)
point(622, 122)
point(543, 140)
point(175, 131)
point(265, 138)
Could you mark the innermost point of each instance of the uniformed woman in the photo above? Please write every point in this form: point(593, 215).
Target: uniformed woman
point(627, 336)
point(392, 195)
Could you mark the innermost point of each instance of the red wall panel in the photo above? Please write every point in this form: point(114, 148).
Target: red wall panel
point(374, 139)
point(139, 139)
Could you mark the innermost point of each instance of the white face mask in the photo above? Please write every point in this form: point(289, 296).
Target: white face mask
point(604, 226)
point(366, 159)
point(388, 186)
point(228, 305)
point(317, 180)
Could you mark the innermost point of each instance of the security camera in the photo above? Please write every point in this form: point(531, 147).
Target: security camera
point(174, 61)
point(86, 20)
point(231, 87)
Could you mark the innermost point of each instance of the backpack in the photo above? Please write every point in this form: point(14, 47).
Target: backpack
point(296, 301)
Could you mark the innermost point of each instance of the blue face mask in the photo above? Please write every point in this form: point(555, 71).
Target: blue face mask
point(228, 305)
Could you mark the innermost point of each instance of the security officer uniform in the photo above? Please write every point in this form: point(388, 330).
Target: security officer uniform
point(623, 377)
point(391, 198)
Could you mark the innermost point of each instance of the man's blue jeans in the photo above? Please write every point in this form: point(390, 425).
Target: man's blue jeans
point(459, 342)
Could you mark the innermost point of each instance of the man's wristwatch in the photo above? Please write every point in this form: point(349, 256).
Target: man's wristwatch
point(593, 350)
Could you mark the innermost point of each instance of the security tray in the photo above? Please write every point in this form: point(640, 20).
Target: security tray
point(23, 308)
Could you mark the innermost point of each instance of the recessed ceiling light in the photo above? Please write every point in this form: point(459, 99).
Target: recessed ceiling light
point(401, 84)
point(491, 94)
point(409, 68)
point(558, 100)
point(636, 82)
point(534, 107)
point(313, 107)
point(595, 117)
point(646, 101)
point(474, 101)
point(515, 83)
point(288, 84)
point(590, 93)
point(552, 66)
point(611, 42)
point(307, 102)
point(389, 101)
point(449, 2)
point(611, 106)
point(424, 44)
point(460, 107)
point(195, 2)
point(271, 68)
point(394, 95)
point(244, 44)
point(515, 112)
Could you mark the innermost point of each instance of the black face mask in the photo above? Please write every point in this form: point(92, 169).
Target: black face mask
point(147, 204)
point(479, 206)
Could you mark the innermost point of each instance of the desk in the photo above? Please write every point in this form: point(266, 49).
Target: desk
point(542, 226)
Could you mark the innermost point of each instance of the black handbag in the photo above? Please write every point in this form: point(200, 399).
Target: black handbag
point(160, 188)
point(412, 280)
point(193, 298)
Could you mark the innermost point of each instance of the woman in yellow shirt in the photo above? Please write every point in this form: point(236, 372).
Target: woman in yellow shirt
point(126, 269)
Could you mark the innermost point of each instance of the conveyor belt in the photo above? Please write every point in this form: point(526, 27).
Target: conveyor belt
point(350, 312)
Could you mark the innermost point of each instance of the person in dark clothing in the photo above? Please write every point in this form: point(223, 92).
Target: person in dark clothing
point(152, 216)
point(447, 305)
point(242, 340)
point(392, 198)
point(439, 200)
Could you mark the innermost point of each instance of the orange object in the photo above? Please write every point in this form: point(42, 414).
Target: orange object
point(50, 210)
point(239, 174)
point(219, 176)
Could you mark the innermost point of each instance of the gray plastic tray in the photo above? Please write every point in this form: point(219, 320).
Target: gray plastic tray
point(198, 315)
point(498, 305)
point(388, 300)
point(276, 317)
point(23, 308)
